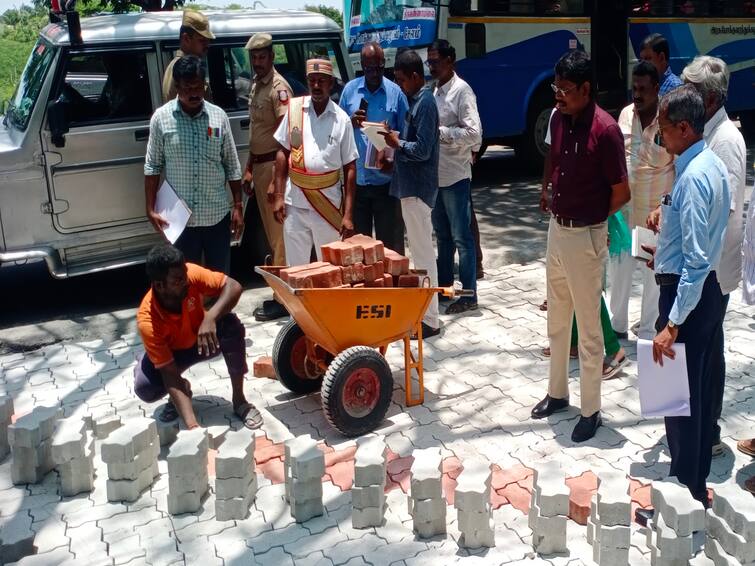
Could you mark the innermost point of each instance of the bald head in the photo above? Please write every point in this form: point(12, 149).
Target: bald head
point(373, 65)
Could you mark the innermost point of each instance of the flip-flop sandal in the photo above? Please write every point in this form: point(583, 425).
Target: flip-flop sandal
point(544, 305)
point(249, 414)
point(613, 367)
point(168, 414)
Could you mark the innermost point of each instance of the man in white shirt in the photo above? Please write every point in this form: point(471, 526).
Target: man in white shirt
point(460, 134)
point(651, 175)
point(710, 76)
point(317, 143)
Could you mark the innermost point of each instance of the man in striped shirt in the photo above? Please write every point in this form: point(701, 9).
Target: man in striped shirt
point(191, 143)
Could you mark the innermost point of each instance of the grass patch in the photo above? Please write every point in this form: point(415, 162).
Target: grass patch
point(13, 57)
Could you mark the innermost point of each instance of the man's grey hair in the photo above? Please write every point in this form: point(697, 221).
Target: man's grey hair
point(684, 104)
point(710, 75)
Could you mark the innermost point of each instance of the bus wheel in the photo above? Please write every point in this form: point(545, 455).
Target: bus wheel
point(531, 148)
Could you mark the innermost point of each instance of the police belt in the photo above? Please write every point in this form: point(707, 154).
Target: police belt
point(313, 181)
point(263, 157)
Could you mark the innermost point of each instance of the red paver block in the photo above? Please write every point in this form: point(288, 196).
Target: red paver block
point(333, 457)
point(395, 263)
point(497, 500)
point(449, 488)
point(357, 273)
point(387, 280)
point(503, 477)
point(581, 490)
point(285, 274)
point(341, 474)
point(263, 454)
point(263, 367)
point(398, 464)
point(410, 280)
point(452, 466)
point(321, 277)
point(379, 282)
point(272, 470)
point(640, 493)
point(211, 461)
point(347, 274)
point(342, 253)
point(517, 496)
point(373, 250)
point(358, 285)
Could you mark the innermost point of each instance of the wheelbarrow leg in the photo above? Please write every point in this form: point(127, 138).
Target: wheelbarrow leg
point(410, 363)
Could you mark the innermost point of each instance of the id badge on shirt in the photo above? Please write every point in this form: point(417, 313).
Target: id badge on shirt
point(216, 133)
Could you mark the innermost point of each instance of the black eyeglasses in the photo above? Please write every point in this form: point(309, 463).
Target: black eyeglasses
point(432, 62)
point(373, 68)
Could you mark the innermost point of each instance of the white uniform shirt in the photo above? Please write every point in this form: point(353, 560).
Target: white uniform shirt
point(724, 139)
point(328, 146)
point(748, 256)
point(460, 130)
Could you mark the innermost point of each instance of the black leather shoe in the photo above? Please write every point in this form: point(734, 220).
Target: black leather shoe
point(586, 427)
point(548, 406)
point(427, 332)
point(643, 516)
point(270, 310)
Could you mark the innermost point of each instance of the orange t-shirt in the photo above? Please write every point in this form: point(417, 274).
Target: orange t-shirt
point(164, 332)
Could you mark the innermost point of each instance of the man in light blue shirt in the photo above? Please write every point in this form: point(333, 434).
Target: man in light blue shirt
point(694, 218)
point(374, 98)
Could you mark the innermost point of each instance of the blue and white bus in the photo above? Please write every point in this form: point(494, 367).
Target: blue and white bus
point(506, 49)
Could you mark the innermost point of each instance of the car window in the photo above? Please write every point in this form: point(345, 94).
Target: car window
point(30, 84)
point(297, 53)
point(104, 87)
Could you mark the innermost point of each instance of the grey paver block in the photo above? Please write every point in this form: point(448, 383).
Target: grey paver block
point(733, 543)
point(470, 521)
point(614, 502)
point(130, 490)
point(610, 556)
point(6, 412)
point(549, 534)
point(426, 510)
point(189, 452)
point(32, 428)
point(187, 502)
point(30, 465)
point(233, 508)
point(614, 536)
point(304, 457)
point(216, 435)
point(426, 474)
point(669, 544)
point(550, 490)
point(368, 496)
point(715, 552)
point(69, 441)
point(478, 539)
point(235, 455)
point(701, 560)
point(365, 517)
point(236, 487)
point(370, 461)
point(306, 510)
point(123, 444)
point(679, 510)
point(473, 486)
point(103, 423)
point(132, 469)
point(432, 528)
point(737, 510)
point(16, 538)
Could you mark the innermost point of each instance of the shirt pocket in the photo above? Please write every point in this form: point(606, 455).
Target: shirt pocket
point(213, 149)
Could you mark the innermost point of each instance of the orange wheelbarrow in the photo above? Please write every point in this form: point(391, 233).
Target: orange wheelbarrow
point(330, 343)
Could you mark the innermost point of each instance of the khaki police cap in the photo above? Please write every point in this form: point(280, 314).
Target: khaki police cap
point(321, 66)
point(259, 41)
point(198, 22)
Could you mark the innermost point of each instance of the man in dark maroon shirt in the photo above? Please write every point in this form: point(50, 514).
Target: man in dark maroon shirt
point(589, 180)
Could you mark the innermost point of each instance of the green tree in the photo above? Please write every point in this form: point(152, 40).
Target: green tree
point(333, 13)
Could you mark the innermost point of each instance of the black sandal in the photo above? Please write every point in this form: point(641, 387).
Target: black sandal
point(461, 306)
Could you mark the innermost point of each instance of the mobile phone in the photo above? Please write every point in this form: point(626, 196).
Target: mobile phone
point(363, 104)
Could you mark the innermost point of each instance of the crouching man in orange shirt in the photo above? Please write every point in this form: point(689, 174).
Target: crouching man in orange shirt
point(177, 333)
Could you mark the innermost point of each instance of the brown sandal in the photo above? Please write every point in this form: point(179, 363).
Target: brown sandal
point(747, 446)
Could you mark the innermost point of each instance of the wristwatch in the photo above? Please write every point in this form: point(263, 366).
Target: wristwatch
point(672, 324)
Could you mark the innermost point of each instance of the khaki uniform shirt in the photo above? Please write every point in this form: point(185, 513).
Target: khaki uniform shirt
point(169, 86)
point(268, 101)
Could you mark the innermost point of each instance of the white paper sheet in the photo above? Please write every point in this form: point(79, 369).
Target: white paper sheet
point(664, 391)
point(371, 130)
point(642, 236)
point(174, 210)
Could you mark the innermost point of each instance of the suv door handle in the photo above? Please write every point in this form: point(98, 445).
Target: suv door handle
point(244, 124)
point(141, 135)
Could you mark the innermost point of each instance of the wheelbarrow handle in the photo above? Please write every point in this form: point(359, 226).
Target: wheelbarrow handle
point(464, 293)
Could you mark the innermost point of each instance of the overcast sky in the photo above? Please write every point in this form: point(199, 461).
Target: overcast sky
point(283, 4)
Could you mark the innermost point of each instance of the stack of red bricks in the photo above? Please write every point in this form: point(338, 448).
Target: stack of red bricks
point(359, 261)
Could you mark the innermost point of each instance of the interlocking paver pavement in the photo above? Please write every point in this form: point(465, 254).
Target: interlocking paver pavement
point(483, 374)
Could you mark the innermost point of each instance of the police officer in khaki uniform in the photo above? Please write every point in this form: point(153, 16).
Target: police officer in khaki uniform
point(268, 103)
point(195, 36)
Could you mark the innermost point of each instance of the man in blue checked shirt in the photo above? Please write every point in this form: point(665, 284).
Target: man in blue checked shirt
point(191, 143)
point(374, 98)
point(693, 226)
point(655, 50)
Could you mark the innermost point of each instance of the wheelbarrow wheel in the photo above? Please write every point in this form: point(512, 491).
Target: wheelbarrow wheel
point(357, 390)
point(290, 360)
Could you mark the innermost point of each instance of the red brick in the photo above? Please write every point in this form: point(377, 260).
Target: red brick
point(581, 489)
point(286, 273)
point(395, 263)
point(358, 285)
point(357, 273)
point(272, 470)
point(379, 282)
point(263, 367)
point(408, 280)
point(387, 280)
point(347, 274)
point(342, 253)
point(321, 277)
point(369, 274)
point(373, 249)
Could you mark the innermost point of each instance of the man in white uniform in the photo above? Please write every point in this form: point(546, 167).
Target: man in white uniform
point(317, 144)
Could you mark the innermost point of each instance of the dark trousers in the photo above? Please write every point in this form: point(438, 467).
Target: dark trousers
point(373, 206)
point(148, 380)
point(718, 370)
point(211, 242)
point(690, 438)
point(476, 235)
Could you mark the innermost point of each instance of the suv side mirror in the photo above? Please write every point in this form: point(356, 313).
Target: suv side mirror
point(58, 122)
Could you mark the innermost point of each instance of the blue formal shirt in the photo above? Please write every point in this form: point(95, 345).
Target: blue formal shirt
point(386, 104)
point(669, 81)
point(693, 226)
point(415, 171)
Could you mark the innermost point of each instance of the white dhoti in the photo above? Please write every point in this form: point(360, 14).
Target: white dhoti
point(302, 229)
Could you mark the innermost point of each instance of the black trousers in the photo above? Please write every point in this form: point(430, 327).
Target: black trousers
point(208, 246)
point(690, 438)
point(373, 206)
point(718, 370)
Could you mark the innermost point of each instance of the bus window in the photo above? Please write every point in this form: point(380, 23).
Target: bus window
point(474, 35)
